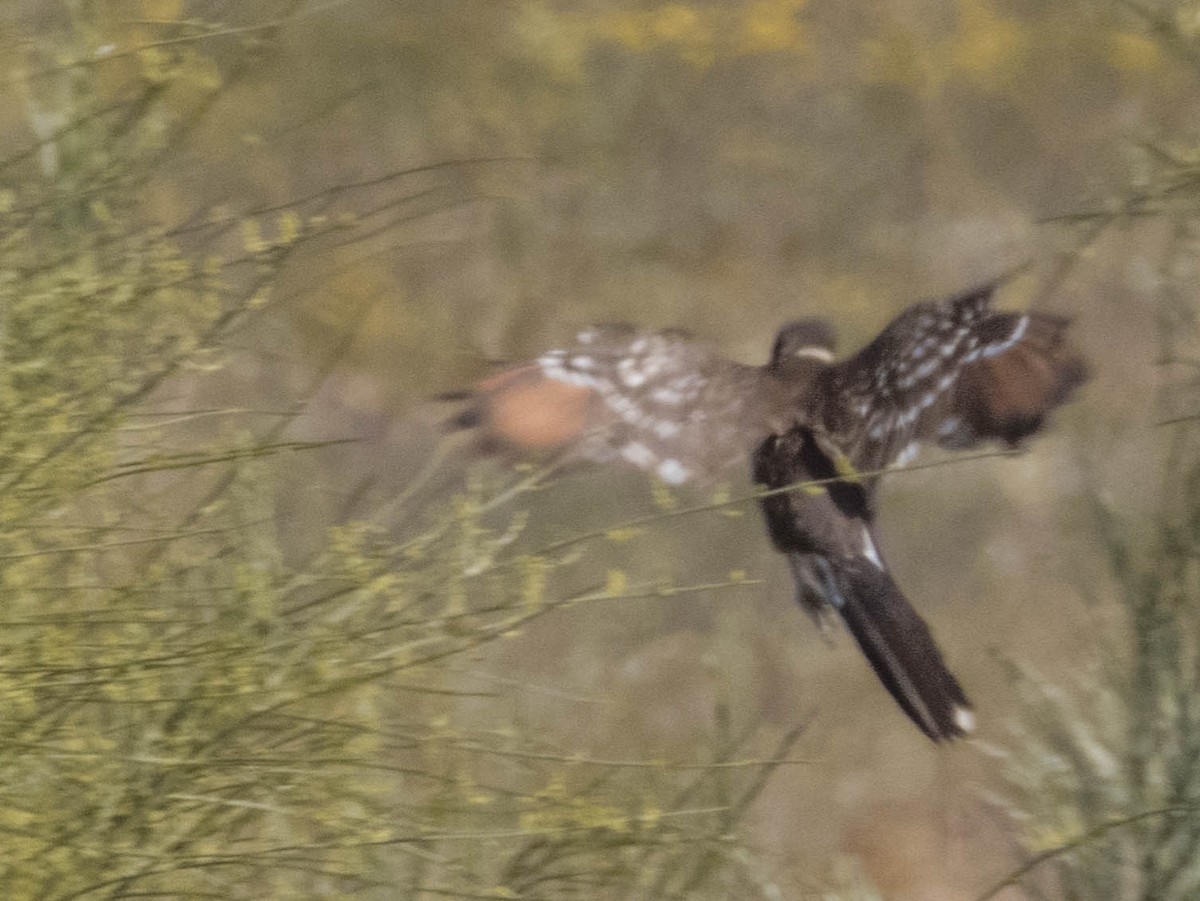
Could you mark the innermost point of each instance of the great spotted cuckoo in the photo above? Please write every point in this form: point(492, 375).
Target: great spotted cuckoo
point(952, 372)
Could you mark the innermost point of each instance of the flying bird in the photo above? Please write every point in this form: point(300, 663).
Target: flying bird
point(952, 372)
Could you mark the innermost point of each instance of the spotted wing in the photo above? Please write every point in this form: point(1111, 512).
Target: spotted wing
point(660, 401)
point(953, 372)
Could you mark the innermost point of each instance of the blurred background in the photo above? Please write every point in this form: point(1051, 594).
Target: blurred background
point(369, 202)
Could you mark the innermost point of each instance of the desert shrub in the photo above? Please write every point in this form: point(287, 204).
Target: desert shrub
point(195, 702)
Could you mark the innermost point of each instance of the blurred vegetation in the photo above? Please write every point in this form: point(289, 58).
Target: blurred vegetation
point(187, 711)
point(1104, 769)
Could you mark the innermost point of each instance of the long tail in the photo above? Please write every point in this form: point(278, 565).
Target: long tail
point(901, 649)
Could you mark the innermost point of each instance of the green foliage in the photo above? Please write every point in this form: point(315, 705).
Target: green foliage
point(192, 707)
point(1104, 772)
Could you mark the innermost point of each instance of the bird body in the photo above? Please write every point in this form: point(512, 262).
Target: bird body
point(952, 372)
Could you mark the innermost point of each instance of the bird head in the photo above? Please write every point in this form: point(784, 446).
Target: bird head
point(803, 339)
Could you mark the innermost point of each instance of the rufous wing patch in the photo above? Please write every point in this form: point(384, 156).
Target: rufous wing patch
point(529, 412)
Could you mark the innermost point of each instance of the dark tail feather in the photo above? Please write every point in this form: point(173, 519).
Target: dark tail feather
point(470, 418)
point(902, 652)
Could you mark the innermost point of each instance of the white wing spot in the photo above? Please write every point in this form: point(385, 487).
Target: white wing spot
point(668, 396)
point(672, 471)
point(651, 366)
point(626, 408)
point(554, 370)
point(1017, 334)
point(666, 429)
point(926, 369)
point(639, 455)
point(631, 373)
point(949, 426)
point(869, 550)
point(909, 451)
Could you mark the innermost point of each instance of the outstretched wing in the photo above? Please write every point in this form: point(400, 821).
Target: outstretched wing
point(952, 372)
point(659, 401)
point(827, 536)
